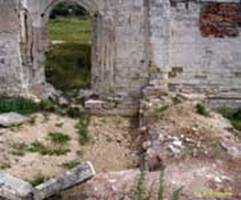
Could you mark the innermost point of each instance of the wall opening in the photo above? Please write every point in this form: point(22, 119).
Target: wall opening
point(68, 63)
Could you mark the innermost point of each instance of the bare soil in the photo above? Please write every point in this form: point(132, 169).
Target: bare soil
point(111, 147)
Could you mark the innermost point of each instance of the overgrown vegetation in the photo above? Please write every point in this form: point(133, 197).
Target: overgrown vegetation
point(28, 106)
point(4, 166)
point(140, 192)
point(234, 115)
point(82, 128)
point(161, 186)
point(25, 106)
point(202, 109)
point(71, 164)
point(68, 66)
point(74, 112)
point(176, 194)
point(19, 105)
point(69, 62)
point(70, 30)
point(19, 149)
point(40, 148)
point(59, 138)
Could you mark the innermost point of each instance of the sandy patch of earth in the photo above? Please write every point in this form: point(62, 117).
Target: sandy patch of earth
point(110, 148)
point(199, 179)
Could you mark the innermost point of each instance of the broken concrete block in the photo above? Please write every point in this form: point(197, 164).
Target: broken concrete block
point(12, 119)
point(94, 104)
point(71, 178)
point(15, 189)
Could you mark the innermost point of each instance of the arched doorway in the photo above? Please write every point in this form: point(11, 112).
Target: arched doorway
point(68, 63)
point(35, 18)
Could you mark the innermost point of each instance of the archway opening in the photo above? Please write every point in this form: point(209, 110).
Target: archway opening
point(68, 65)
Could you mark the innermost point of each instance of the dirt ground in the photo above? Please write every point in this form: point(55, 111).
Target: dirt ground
point(198, 153)
point(110, 148)
point(199, 180)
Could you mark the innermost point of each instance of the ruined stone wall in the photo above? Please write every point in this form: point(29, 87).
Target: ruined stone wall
point(179, 45)
point(199, 44)
point(12, 73)
point(119, 59)
point(119, 63)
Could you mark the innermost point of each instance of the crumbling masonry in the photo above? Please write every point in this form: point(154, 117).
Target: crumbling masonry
point(174, 45)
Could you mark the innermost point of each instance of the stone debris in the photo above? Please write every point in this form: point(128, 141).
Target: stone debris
point(176, 130)
point(71, 178)
point(16, 189)
point(12, 119)
point(85, 94)
point(110, 106)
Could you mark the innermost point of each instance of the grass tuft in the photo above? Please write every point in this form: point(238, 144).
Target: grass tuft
point(4, 166)
point(176, 194)
point(59, 138)
point(38, 147)
point(140, 191)
point(18, 105)
point(82, 127)
point(202, 109)
point(161, 186)
point(234, 115)
point(74, 112)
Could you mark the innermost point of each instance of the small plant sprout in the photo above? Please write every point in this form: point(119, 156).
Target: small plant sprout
point(202, 109)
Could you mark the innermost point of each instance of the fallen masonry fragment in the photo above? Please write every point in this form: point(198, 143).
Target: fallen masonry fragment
point(12, 188)
point(12, 119)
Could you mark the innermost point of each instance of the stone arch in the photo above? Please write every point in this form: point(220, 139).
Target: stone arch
point(39, 12)
point(88, 5)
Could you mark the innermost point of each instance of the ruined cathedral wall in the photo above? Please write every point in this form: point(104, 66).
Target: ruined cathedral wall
point(12, 73)
point(119, 41)
point(198, 50)
point(185, 46)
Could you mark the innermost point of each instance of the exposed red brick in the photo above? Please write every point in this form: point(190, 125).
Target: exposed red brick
point(220, 20)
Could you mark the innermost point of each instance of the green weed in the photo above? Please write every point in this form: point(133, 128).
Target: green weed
point(234, 115)
point(59, 138)
point(38, 147)
point(176, 194)
point(140, 191)
point(4, 166)
point(82, 127)
point(161, 186)
point(18, 105)
point(202, 109)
